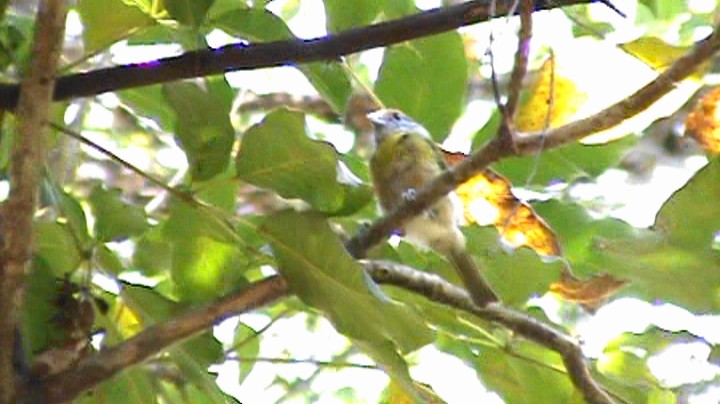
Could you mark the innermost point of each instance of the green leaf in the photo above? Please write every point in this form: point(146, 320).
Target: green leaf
point(427, 79)
point(653, 266)
point(203, 125)
point(188, 12)
point(115, 219)
point(206, 260)
point(109, 260)
point(516, 275)
point(38, 310)
point(76, 220)
point(56, 247)
point(153, 253)
point(277, 154)
point(532, 374)
point(626, 367)
point(332, 81)
point(691, 218)
point(150, 102)
point(132, 385)
point(246, 344)
point(107, 21)
point(259, 25)
point(255, 25)
point(322, 274)
point(342, 15)
point(565, 163)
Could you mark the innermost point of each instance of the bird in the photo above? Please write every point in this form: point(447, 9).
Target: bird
point(406, 159)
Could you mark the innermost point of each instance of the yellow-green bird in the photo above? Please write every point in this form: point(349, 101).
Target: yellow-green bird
point(405, 160)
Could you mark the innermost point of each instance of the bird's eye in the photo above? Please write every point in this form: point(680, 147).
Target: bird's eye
point(396, 116)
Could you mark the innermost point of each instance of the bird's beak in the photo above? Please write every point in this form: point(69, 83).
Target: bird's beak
point(377, 117)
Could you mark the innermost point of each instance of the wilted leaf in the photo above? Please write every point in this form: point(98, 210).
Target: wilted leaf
point(549, 88)
point(590, 293)
point(654, 52)
point(488, 199)
point(580, 89)
point(703, 122)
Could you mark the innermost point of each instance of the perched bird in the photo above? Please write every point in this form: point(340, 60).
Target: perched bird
point(404, 161)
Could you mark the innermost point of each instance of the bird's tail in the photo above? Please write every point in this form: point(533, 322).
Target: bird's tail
point(479, 289)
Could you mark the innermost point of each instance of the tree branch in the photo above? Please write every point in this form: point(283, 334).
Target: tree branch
point(27, 161)
point(529, 144)
point(271, 54)
point(92, 370)
point(441, 291)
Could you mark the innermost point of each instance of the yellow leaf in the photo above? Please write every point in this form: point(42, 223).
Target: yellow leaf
point(703, 123)
point(487, 198)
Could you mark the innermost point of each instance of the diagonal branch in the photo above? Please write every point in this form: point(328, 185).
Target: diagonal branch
point(28, 154)
point(498, 149)
point(271, 54)
point(94, 369)
point(441, 291)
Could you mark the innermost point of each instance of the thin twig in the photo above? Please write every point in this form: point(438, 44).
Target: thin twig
point(26, 167)
point(521, 57)
point(293, 361)
point(119, 160)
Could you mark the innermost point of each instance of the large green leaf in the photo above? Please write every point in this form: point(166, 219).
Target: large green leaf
point(204, 264)
point(657, 269)
point(528, 373)
point(260, 25)
point(56, 247)
point(277, 154)
point(691, 217)
point(427, 79)
point(107, 21)
point(321, 272)
point(515, 275)
point(203, 124)
point(115, 219)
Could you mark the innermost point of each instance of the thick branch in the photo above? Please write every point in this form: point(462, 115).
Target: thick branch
point(27, 161)
point(253, 56)
point(530, 144)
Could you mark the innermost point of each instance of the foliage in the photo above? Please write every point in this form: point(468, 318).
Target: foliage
point(258, 185)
